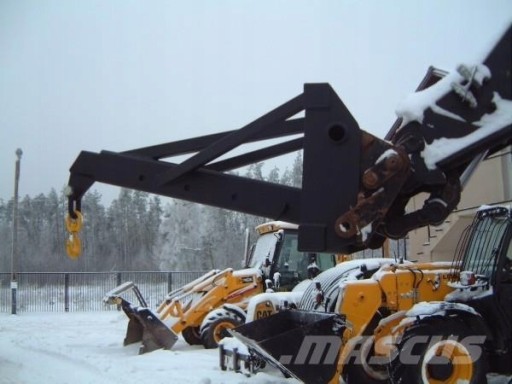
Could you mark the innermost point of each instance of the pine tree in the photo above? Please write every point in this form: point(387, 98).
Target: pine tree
point(273, 176)
point(296, 173)
point(5, 235)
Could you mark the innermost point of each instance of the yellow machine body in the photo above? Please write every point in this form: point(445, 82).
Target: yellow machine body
point(392, 291)
point(226, 287)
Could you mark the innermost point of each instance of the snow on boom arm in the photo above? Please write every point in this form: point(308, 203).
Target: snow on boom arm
point(355, 186)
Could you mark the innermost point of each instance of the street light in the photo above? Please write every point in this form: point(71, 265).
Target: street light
point(14, 255)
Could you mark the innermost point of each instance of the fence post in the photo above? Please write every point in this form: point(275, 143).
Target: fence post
point(66, 292)
point(169, 282)
point(118, 278)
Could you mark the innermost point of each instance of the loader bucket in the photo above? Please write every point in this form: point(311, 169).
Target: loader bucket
point(145, 326)
point(302, 344)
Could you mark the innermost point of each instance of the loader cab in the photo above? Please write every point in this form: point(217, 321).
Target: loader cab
point(505, 268)
point(485, 278)
point(276, 251)
point(485, 251)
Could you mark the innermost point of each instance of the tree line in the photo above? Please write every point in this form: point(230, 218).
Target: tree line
point(136, 231)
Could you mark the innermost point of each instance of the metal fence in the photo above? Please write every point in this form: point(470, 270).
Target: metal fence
point(73, 292)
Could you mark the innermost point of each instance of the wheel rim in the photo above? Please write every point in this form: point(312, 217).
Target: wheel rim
point(218, 335)
point(447, 362)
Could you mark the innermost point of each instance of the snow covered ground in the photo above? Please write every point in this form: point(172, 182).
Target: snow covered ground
point(86, 348)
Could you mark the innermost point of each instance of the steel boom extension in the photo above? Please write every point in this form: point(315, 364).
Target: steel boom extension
point(355, 186)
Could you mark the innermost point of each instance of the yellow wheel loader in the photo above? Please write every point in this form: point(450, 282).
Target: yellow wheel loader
point(354, 195)
point(440, 322)
point(307, 296)
point(205, 308)
point(319, 294)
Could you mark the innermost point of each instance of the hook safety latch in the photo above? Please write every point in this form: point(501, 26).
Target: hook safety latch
point(73, 243)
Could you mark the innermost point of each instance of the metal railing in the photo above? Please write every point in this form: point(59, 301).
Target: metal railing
point(84, 291)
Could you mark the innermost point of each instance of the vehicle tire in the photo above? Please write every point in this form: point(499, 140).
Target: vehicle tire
point(433, 351)
point(364, 370)
point(356, 374)
point(361, 371)
point(192, 335)
point(213, 328)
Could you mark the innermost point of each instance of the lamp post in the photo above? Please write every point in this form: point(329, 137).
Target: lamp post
point(14, 255)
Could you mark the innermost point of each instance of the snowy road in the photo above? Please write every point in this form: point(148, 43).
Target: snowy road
point(86, 348)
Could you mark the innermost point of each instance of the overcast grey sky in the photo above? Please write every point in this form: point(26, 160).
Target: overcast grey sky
point(117, 75)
